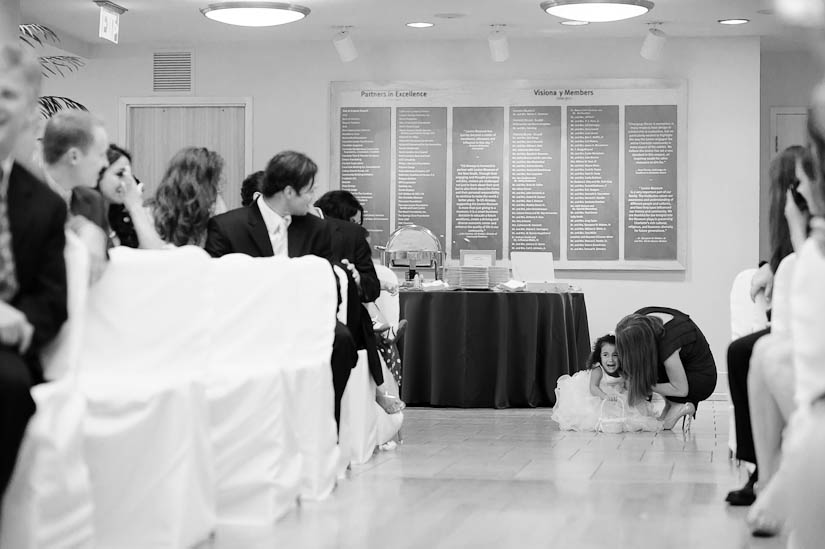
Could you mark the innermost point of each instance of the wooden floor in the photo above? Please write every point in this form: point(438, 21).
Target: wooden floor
point(510, 478)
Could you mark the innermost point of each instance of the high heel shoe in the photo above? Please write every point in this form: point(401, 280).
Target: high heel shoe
point(762, 523)
point(686, 411)
point(390, 403)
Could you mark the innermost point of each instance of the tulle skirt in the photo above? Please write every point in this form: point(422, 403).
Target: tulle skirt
point(577, 410)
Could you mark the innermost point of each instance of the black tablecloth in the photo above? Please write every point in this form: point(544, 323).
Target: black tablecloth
point(489, 349)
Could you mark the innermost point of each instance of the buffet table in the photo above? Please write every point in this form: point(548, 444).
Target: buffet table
point(484, 349)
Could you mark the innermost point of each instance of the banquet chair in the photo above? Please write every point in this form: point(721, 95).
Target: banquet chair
point(270, 384)
point(48, 502)
point(746, 317)
point(146, 433)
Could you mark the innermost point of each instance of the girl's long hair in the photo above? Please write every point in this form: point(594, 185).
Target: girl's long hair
point(596, 353)
point(185, 199)
point(783, 177)
point(636, 343)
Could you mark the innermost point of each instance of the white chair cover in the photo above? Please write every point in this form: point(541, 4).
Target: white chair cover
point(48, 502)
point(746, 316)
point(270, 383)
point(386, 302)
point(147, 445)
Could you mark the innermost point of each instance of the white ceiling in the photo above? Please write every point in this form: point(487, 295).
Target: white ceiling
point(156, 22)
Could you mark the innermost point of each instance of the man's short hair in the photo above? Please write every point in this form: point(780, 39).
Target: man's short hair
point(250, 186)
point(13, 56)
point(68, 129)
point(288, 169)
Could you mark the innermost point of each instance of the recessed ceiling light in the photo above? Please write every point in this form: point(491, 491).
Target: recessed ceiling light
point(733, 21)
point(572, 23)
point(420, 25)
point(255, 14)
point(597, 11)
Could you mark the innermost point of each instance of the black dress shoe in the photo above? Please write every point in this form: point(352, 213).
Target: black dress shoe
point(744, 496)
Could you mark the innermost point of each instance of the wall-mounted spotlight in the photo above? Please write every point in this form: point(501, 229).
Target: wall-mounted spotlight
point(654, 44)
point(344, 45)
point(499, 47)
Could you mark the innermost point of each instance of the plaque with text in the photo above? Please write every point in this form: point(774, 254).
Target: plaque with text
point(650, 182)
point(478, 154)
point(535, 178)
point(421, 168)
point(593, 183)
point(365, 165)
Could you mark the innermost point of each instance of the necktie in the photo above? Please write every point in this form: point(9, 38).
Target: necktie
point(8, 277)
point(279, 236)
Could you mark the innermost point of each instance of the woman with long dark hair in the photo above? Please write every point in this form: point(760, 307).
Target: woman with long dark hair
point(663, 351)
point(127, 221)
point(188, 195)
point(783, 178)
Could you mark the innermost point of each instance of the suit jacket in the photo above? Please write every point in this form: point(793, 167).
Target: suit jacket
point(243, 231)
point(37, 218)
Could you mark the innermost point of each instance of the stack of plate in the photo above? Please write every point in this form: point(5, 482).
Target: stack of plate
point(474, 278)
point(498, 275)
point(452, 276)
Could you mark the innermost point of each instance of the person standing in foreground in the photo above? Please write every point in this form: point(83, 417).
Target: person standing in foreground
point(32, 268)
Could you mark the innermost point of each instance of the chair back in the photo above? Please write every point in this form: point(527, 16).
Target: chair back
point(60, 357)
point(386, 302)
point(746, 316)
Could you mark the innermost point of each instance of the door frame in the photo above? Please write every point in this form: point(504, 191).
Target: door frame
point(129, 103)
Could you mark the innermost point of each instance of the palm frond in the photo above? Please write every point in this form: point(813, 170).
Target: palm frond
point(33, 32)
point(53, 65)
point(53, 104)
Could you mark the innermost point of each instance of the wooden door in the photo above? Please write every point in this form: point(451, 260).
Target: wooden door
point(154, 133)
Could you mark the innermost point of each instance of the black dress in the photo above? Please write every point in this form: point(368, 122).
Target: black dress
point(683, 334)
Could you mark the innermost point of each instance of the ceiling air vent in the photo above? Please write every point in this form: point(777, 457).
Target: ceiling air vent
point(172, 72)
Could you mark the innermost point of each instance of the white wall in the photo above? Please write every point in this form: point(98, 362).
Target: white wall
point(788, 78)
point(290, 87)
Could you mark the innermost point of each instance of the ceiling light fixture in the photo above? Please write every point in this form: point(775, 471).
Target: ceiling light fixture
point(344, 45)
point(573, 23)
point(255, 14)
point(499, 47)
point(733, 21)
point(420, 25)
point(654, 43)
point(597, 11)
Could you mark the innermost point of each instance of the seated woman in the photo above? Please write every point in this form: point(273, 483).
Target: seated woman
point(351, 247)
point(188, 195)
point(781, 358)
point(127, 220)
point(740, 351)
point(663, 351)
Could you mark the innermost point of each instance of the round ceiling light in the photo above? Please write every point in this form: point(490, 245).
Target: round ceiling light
point(573, 23)
point(733, 21)
point(597, 11)
point(255, 14)
point(420, 25)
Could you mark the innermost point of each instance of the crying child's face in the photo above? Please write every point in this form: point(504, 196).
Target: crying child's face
point(609, 358)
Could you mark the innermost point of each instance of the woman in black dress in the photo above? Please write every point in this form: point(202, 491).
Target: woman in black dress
point(663, 351)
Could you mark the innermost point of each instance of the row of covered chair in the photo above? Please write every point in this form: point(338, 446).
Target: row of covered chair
point(186, 392)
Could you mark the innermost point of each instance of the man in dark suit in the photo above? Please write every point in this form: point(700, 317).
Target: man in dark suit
point(278, 224)
point(32, 268)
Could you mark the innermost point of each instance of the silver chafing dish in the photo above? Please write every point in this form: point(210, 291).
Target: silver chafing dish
point(414, 248)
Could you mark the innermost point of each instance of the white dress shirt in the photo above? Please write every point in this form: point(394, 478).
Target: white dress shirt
point(276, 228)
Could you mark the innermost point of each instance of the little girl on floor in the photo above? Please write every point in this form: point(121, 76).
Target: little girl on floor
point(580, 399)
